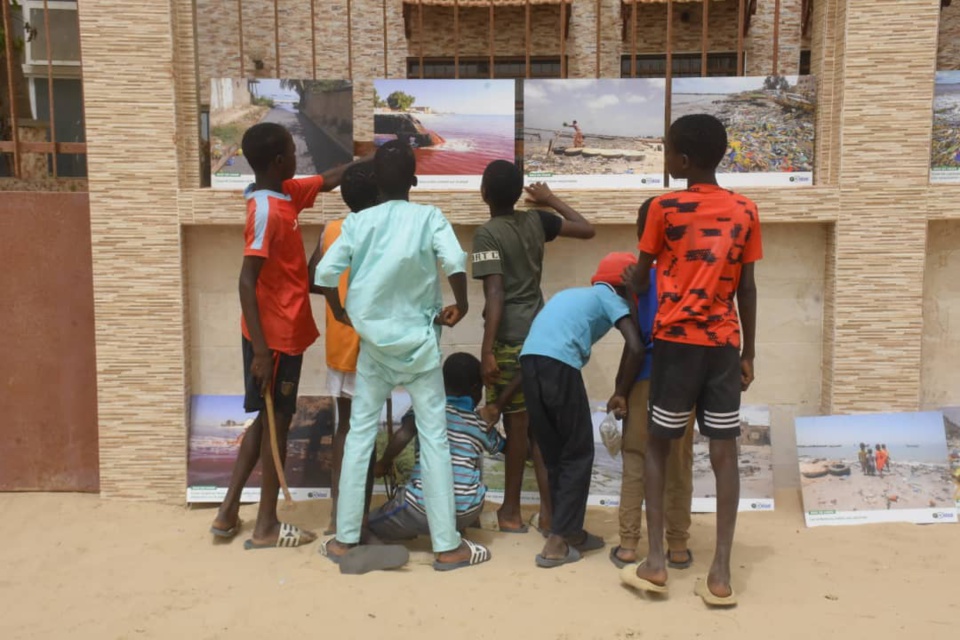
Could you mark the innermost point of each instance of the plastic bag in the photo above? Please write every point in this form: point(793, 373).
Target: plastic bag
point(610, 434)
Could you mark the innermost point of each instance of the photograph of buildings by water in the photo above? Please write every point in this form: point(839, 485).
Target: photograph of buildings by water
point(317, 113)
point(890, 467)
point(457, 127)
point(770, 126)
point(594, 134)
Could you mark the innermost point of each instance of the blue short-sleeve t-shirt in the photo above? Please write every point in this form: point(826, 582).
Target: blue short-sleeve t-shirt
point(572, 322)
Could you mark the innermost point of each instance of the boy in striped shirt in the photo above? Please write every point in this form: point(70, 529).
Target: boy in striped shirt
point(405, 517)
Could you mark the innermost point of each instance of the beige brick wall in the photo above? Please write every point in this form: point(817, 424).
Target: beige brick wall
point(162, 310)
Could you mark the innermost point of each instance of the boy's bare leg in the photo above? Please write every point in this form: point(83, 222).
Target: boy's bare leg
point(247, 458)
point(655, 568)
point(517, 429)
point(339, 438)
point(543, 486)
point(267, 529)
point(723, 458)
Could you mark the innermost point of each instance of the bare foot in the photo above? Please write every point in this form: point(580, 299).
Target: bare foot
point(652, 573)
point(226, 518)
point(555, 548)
point(270, 536)
point(544, 521)
point(509, 522)
point(460, 554)
point(718, 581)
point(627, 555)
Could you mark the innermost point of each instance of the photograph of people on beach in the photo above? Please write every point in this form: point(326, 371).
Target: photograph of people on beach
point(770, 126)
point(945, 151)
point(318, 113)
point(217, 425)
point(890, 467)
point(594, 134)
point(457, 127)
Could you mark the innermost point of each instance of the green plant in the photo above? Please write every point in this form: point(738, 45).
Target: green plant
point(400, 101)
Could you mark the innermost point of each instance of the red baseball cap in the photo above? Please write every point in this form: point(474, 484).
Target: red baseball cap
point(611, 268)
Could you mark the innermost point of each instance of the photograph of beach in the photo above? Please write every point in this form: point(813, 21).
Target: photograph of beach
point(457, 127)
point(594, 134)
point(945, 151)
point(756, 465)
point(217, 426)
point(317, 113)
point(875, 468)
point(770, 126)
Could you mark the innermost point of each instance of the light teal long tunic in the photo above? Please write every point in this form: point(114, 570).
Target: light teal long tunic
point(392, 251)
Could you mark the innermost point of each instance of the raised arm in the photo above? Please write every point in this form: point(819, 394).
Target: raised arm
point(747, 306)
point(574, 225)
point(333, 177)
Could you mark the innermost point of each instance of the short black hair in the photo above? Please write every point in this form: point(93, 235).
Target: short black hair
point(461, 374)
point(700, 137)
point(502, 183)
point(394, 166)
point(358, 187)
point(262, 143)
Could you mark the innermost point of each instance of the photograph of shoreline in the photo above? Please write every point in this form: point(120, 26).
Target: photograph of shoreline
point(770, 125)
point(902, 476)
point(318, 113)
point(945, 150)
point(217, 426)
point(603, 133)
point(457, 127)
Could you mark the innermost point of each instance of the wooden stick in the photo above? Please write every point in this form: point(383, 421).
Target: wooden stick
point(599, 38)
point(272, 425)
point(633, 40)
point(563, 38)
point(53, 125)
point(276, 34)
point(420, 34)
point(492, 44)
point(313, 36)
point(349, 40)
point(386, 68)
point(456, 38)
point(776, 37)
point(526, 36)
point(243, 65)
point(741, 17)
point(668, 86)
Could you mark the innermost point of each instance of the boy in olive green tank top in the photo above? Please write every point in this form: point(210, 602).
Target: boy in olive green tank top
point(508, 256)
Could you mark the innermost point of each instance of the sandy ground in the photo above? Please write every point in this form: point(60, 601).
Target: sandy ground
point(80, 567)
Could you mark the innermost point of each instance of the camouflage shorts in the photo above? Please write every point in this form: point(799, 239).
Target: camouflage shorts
point(508, 361)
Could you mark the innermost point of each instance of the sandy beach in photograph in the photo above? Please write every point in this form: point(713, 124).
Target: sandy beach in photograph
point(756, 472)
point(905, 485)
point(553, 152)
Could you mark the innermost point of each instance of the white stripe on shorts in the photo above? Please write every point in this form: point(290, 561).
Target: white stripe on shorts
point(729, 420)
point(670, 419)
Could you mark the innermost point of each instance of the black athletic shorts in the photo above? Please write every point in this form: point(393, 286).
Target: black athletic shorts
point(685, 376)
point(286, 381)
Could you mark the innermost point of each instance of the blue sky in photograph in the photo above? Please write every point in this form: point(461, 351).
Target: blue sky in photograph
point(270, 88)
point(892, 429)
point(616, 107)
point(948, 77)
point(462, 97)
point(721, 85)
point(213, 410)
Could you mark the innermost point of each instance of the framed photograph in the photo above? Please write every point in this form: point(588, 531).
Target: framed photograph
point(891, 467)
point(317, 113)
point(945, 149)
point(594, 134)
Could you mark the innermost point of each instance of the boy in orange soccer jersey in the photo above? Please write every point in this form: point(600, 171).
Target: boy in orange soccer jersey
point(359, 192)
point(277, 322)
point(705, 241)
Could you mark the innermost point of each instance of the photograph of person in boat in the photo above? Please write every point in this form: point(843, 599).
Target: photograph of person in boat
point(603, 133)
point(893, 466)
point(770, 123)
point(456, 127)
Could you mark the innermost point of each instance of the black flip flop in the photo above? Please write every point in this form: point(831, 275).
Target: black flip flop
point(550, 563)
point(680, 565)
point(590, 543)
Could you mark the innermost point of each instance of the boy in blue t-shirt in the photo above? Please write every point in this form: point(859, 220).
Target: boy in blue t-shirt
point(679, 483)
point(556, 349)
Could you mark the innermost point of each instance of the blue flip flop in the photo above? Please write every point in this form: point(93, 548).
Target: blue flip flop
point(227, 534)
point(551, 563)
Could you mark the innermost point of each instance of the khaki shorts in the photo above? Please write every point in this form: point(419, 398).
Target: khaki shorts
point(508, 360)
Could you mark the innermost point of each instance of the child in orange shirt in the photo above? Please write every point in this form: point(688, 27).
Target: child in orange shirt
point(359, 192)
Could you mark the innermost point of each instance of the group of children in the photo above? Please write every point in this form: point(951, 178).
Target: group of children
point(684, 357)
point(873, 461)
